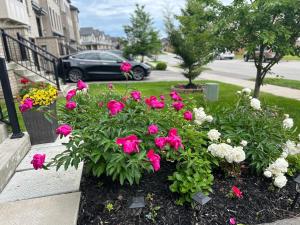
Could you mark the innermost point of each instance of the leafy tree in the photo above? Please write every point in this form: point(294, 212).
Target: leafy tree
point(258, 25)
point(193, 41)
point(141, 38)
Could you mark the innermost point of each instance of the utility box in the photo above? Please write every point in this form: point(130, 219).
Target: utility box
point(211, 92)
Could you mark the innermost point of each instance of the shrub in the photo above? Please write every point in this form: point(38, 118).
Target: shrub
point(161, 66)
point(125, 136)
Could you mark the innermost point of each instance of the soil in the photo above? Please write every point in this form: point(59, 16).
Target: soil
point(259, 204)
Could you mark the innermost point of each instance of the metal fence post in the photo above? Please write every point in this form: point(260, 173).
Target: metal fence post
point(5, 45)
point(22, 48)
point(56, 73)
point(9, 101)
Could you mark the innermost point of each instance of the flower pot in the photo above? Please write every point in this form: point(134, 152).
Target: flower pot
point(39, 128)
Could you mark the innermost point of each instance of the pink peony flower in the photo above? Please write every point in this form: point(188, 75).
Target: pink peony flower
point(27, 105)
point(162, 97)
point(160, 142)
point(81, 85)
point(188, 115)
point(71, 105)
point(38, 161)
point(71, 94)
point(100, 104)
point(175, 96)
point(178, 105)
point(174, 139)
point(154, 159)
point(24, 81)
point(64, 130)
point(115, 107)
point(154, 103)
point(237, 192)
point(136, 95)
point(130, 144)
point(153, 129)
point(126, 67)
point(232, 221)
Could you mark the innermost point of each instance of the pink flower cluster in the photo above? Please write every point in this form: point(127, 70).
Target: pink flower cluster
point(38, 161)
point(130, 144)
point(115, 107)
point(27, 105)
point(152, 129)
point(177, 104)
point(70, 105)
point(125, 67)
point(188, 115)
point(64, 130)
point(154, 159)
point(175, 96)
point(173, 139)
point(154, 103)
point(136, 95)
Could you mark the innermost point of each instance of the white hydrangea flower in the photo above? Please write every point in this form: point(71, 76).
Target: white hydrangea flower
point(286, 116)
point(238, 154)
point(228, 140)
point(288, 123)
point(280, 181)
point(244, 143)
point(250, 97)
point(255, 104)
point(246, 91)
point(278, 167)
point(267, 174)
point(209, 118)
point(291, 148)
point(239, 92)
point(214, 135)
point(284, 155)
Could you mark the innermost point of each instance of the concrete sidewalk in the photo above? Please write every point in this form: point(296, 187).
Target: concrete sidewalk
point(271, 89)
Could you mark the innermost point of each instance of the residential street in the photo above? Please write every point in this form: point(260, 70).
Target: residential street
point(239, 68)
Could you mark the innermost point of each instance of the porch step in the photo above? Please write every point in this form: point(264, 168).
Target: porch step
point(3, 132)
point(12, 151)
point(52, 210)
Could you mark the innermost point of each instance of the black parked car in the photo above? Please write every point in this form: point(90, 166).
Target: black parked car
point(89, 65)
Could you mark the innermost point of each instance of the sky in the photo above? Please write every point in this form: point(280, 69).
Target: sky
point(110, 15)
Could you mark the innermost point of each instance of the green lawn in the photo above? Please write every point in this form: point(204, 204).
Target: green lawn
point(290, 57)
point(295, 84)
point(227, 96)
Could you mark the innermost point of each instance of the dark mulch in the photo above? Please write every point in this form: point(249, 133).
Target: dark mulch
point(259, 205)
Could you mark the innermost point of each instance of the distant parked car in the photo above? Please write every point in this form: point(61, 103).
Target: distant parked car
point(268, 55)
point(89, 65)
point(226, 55)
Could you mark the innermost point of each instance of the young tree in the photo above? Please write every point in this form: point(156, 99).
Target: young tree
point(193, 41)
point(258, 25)
point(141, 37)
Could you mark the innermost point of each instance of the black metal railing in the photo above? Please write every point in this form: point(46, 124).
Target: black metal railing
point(32, 57)
point(9, 103)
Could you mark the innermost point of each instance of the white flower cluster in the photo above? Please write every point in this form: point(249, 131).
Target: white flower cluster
point(201, 117)
point(255, 104)
point(227, 152)
point(290, 148)
point(288, 122)
point(214, 135)
point(246, 91)
point(277, 170)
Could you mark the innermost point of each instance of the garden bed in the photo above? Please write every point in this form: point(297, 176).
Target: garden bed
point(259, 205)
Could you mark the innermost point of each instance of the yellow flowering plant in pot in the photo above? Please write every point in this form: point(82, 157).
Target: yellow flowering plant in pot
point(38, 108)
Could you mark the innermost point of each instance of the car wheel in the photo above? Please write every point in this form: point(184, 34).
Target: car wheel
point(138, 73)
point(246, 58)
point(75, 75)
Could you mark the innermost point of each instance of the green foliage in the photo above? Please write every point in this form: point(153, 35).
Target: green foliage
point(193, 174)
point(161, 66)
point(141, 38)
point(262, 129)
point(294, 164)
point(193, 41)
point(257, 25)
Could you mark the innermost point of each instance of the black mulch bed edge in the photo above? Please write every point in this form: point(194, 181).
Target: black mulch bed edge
point(259, 204)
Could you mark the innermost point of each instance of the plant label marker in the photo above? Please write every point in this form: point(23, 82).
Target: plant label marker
point(137, 204)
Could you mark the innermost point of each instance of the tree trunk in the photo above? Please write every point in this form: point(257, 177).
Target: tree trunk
point(258, 82)
point(142, 58)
